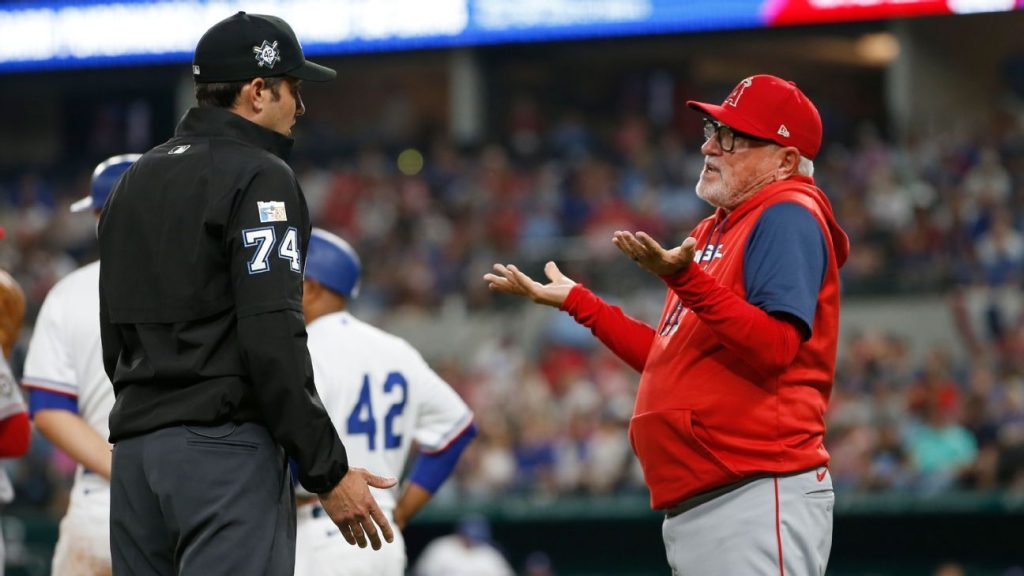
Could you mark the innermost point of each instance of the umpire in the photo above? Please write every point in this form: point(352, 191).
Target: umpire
point(203, 337)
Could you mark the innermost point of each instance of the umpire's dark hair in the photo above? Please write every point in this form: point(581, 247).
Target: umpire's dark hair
point(224, 94)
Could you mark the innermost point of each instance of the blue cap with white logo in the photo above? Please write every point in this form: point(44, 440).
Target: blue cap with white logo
point(103, 179)
point(332, 262)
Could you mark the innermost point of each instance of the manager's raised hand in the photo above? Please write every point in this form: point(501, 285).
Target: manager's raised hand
point(511, 280)
point(650, 256)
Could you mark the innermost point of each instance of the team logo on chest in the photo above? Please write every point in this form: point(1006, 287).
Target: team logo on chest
point(671, 322)
point(708, 253)
point(267, 54)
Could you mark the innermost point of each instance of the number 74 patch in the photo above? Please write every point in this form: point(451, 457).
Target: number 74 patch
point(263, 240)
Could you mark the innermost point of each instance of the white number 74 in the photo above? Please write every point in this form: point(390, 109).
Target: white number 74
point(264, 239)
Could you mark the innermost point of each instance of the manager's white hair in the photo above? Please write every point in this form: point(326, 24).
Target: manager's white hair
point(806, 167)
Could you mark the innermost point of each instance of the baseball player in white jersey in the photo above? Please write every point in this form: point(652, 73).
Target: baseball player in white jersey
point(468, 552)
point(14, 426)
point(384, 399)
point(70, 397)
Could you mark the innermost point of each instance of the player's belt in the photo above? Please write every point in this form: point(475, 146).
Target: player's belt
point(705, 497)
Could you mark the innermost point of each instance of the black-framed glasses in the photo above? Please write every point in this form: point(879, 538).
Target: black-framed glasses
point(727, 135)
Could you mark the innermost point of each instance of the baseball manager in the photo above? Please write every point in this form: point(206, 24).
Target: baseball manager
point(729, 420)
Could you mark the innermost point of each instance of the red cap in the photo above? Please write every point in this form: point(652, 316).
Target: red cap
point(771, 108)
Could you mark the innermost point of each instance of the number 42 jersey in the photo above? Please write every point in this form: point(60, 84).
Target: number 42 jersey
point(382, 397)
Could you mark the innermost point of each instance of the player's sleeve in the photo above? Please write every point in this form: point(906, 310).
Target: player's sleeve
point(49, 375)
point(267, 236)
point(444, 428)
point(442, 414)
point(784, 263)
point(432, 468)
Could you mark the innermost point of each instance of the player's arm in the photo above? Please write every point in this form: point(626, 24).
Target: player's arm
point(59, 423)
point(50, 379)
point(784, 267)
point(628, 338)
point(428, 474)
point(443, 429)
point(69, 432)
point(413, 498)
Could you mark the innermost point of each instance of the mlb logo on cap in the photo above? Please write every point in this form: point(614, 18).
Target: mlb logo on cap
point(771, 108)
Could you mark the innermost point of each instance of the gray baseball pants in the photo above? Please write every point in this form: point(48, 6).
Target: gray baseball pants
point(202, 501)
point(777, 526)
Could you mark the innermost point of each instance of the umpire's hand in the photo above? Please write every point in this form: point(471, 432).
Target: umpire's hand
point(351, 506)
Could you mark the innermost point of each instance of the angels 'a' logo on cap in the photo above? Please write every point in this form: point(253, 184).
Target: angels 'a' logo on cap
point(267, 54)
point(737, 92)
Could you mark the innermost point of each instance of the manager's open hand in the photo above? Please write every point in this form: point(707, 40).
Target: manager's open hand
point(650, 256)
point(351, 506)
point(511, 280)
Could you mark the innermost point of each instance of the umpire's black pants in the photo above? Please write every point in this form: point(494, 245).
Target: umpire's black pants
point(202, 501)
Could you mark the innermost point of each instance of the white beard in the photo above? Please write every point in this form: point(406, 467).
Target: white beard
point(714, 193)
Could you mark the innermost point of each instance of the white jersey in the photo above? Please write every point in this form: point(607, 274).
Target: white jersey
point(382, 396)
point(451, 556)
point(320, 550)
point(11, 403)
point(65, 357)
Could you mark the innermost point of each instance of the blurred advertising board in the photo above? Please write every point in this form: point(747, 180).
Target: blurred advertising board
point(98, 33)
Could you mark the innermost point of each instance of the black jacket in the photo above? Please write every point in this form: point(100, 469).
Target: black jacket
point(201, 244)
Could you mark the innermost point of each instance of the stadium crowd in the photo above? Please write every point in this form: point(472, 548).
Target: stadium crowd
point(939, 216)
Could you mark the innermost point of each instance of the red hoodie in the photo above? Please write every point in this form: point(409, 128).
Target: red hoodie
point(720, 399)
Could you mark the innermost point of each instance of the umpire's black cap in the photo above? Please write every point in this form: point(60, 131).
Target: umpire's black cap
point(246, 46)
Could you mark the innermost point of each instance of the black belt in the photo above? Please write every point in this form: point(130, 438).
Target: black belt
point(705, 497)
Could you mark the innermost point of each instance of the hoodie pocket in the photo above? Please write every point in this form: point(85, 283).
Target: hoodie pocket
point(676, 463)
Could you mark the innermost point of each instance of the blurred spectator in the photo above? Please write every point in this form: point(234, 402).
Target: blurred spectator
point(1000, 251)
point(468, 552)
point(538, 564)
point(941, 450)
